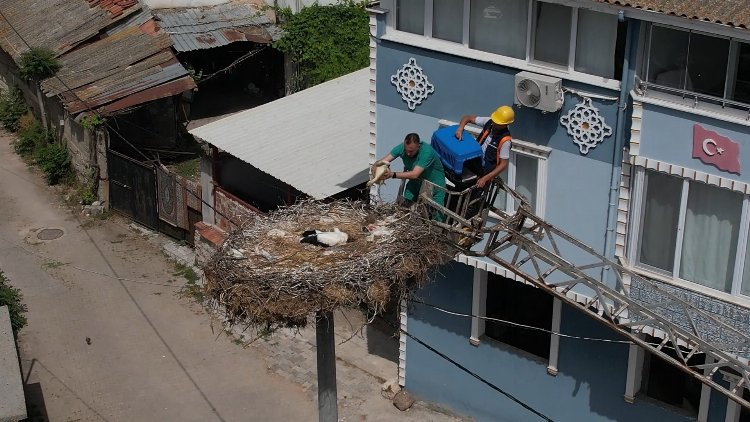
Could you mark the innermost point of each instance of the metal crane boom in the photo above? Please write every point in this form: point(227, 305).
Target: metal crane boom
point(557, 262)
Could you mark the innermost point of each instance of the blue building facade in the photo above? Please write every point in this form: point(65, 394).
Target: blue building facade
point(616, 156)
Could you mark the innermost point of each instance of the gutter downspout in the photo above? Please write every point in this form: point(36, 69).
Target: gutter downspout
point(625, 86)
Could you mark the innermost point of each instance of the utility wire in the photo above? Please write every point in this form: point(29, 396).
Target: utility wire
point(468, 371)
point(670, 346)
point(516, 324)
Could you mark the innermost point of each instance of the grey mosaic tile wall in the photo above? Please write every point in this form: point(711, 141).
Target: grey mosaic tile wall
point(736, 316)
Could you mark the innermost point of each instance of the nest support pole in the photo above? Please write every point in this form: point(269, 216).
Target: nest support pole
point(326, 348)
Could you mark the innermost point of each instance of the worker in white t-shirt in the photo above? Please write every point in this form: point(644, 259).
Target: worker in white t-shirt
point(495, 140)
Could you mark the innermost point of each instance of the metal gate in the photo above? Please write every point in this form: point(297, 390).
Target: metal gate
point(132, 189)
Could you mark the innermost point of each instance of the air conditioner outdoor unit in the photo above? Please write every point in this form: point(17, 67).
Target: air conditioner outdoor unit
point(539, 91)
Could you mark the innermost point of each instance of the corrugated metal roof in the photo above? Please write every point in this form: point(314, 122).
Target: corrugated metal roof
point(116, 67)
point(199, 28)
point(314, 140)
point(57, 25)
point(734, 13)
point(134, 62)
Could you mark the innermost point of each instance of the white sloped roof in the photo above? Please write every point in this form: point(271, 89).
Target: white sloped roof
point(315, 140)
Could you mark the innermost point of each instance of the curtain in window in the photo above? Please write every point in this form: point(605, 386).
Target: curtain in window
point(410, 16)
point(709, 245)
point(447, 20)
point(499, 26)
point(661, 212)
point(595, 43)
point(745, 288)
point(526, 177)
point(501, 200)
point(552, 33)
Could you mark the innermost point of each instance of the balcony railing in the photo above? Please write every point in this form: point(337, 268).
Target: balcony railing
point(642, 88)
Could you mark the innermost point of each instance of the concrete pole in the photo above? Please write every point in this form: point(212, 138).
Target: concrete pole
point(326, 345)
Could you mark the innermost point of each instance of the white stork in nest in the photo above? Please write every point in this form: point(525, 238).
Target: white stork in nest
point(324, 239)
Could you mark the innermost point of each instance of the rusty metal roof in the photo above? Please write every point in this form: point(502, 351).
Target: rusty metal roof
point(58, 25)
point(198, 28)
point(117, 67)
point(734, 13)
point(111, 53)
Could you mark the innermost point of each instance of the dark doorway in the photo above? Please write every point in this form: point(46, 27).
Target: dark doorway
point(234, 77)
point(132, 189)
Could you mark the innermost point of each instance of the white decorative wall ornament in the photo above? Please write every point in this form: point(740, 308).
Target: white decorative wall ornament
point(585, 125)
point(412, 84)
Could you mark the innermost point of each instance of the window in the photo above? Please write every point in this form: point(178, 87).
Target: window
point(665, 382)
point(598, 55)
point(552, 33)
point(513, 301)
point(410, 16)
point(447, 16)
point(499, 26)
point(527, 174)
point(694, 232)
point(745, 413)
point(684, 62)
point(559, 36)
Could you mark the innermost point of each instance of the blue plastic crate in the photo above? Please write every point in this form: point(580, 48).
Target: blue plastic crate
point(452, 152)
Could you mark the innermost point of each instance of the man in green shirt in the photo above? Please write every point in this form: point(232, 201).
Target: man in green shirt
point(420, 162)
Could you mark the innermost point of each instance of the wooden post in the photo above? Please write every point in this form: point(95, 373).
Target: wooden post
point(326, 345)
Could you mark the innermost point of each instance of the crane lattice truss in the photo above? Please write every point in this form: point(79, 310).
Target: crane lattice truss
point(555, 261)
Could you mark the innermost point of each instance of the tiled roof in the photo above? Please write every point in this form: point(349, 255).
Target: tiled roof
point(114, 7)
point(734, 13)
point(199, 28)
point(112, 56)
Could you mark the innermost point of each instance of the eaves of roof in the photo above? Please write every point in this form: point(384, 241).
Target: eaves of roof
point(733, 13)
point(198, 28)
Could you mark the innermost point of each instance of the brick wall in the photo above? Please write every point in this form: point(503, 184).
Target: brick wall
point(207, 239)
point(228, 205)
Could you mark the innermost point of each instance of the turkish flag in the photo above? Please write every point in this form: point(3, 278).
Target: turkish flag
point(716, 150)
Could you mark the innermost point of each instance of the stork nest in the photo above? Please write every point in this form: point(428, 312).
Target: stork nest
point(263, 277)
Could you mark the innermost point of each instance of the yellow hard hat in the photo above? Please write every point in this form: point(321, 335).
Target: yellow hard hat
point(504, 115)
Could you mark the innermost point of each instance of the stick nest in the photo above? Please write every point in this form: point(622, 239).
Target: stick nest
point(263, 277)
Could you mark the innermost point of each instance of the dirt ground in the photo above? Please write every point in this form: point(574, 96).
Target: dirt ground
point(111, 337)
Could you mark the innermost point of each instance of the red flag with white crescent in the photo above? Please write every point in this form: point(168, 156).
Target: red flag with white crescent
point(716, 150)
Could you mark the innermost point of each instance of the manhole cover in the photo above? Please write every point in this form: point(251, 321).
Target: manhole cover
point(49, 234)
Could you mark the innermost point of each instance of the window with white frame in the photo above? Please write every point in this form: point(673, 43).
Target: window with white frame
point(526, 174)
point(693, 232)
point(715, 68)
point(534, 31)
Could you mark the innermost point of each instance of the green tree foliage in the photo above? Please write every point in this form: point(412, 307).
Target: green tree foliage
point(54, 160)
point(31, 137)
point(12, 107)
point(38, 64)
point(325, 42)
point(11, 297)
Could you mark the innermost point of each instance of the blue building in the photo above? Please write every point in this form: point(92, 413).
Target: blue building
point(631, 130)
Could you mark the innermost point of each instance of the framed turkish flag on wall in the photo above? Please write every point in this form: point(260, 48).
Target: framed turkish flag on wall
point(716, 150)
